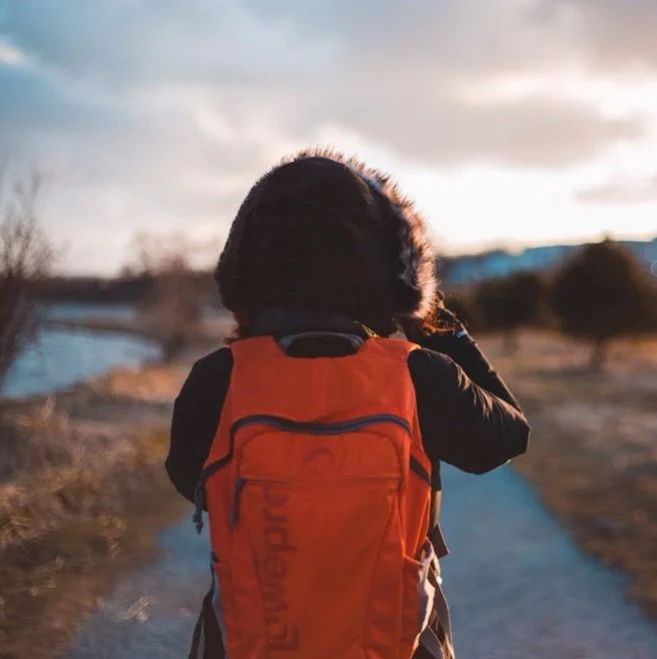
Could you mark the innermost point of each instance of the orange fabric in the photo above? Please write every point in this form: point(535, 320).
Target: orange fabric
point(317, 536)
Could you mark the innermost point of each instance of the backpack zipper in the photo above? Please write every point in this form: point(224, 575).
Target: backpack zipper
point(235, 511)
point(242, 481)
point(311, 427)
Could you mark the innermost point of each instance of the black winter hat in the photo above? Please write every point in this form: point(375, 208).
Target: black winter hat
point(321, 231)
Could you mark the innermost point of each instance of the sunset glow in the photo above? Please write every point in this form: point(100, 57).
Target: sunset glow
point(511, 123)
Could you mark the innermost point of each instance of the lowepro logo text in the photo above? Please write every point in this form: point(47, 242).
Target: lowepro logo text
point(282, 634)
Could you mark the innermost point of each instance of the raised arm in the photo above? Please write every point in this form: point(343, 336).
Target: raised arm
point(468, 416)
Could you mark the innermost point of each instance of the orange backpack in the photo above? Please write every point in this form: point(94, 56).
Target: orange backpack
point(318, 495)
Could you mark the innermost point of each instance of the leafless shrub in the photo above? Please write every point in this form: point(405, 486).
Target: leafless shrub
point(173, 307)
point(25, 258)
point(36, 440)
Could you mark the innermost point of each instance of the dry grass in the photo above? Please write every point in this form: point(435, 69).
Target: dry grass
point(82, 487)
point(82, 490)
point(594, 451)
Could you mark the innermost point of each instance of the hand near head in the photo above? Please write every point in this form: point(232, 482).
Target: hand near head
point(440, 322)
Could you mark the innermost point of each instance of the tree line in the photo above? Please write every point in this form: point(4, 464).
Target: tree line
point(598, 294)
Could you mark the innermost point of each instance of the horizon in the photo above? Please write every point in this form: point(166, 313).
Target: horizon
point(509, 249)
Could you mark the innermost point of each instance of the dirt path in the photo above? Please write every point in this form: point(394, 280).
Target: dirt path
point(518, 586)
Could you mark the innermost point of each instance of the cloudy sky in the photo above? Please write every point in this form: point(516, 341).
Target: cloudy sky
point(511, 122)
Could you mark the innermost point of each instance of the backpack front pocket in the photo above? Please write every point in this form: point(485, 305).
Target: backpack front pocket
point(315, 553)
point(312, 524)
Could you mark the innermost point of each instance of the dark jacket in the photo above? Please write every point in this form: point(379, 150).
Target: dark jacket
point(468, 417)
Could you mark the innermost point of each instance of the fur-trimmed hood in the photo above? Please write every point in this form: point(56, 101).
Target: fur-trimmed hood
point(342, 211)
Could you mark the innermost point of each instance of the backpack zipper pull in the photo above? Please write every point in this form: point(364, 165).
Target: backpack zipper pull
point(235, 511)
point(199, 500)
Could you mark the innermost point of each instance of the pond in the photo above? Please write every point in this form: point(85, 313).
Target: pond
point(61, 357)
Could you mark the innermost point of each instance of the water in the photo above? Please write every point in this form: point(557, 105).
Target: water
point(61, 357)
point(81, 311)
point(517, 585)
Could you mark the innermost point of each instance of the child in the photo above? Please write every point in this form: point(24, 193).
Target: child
point(314, 441)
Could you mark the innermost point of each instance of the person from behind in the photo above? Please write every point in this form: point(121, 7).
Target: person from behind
point(314, 439)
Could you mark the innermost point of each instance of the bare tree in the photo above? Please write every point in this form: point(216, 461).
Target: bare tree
point(173, 307)
point(25, 259)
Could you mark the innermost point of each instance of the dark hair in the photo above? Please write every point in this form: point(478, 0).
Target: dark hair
point(320, 231)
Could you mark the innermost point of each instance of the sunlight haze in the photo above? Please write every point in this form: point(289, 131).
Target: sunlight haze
point(510, 123)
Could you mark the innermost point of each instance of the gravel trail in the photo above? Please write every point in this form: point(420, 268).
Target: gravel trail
point(518, 587)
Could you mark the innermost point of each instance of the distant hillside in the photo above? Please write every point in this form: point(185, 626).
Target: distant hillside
point(453, 270)
point(498, 263)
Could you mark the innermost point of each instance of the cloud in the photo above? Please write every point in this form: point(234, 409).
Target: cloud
point(610, 35)
point(621, 191)
point(161, 112)
point(10, 55)
point(386, 71)
point(534, 131)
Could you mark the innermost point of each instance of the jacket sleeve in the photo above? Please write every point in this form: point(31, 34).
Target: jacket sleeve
point(196, 413)
point(465, 351)
point(475, 426)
